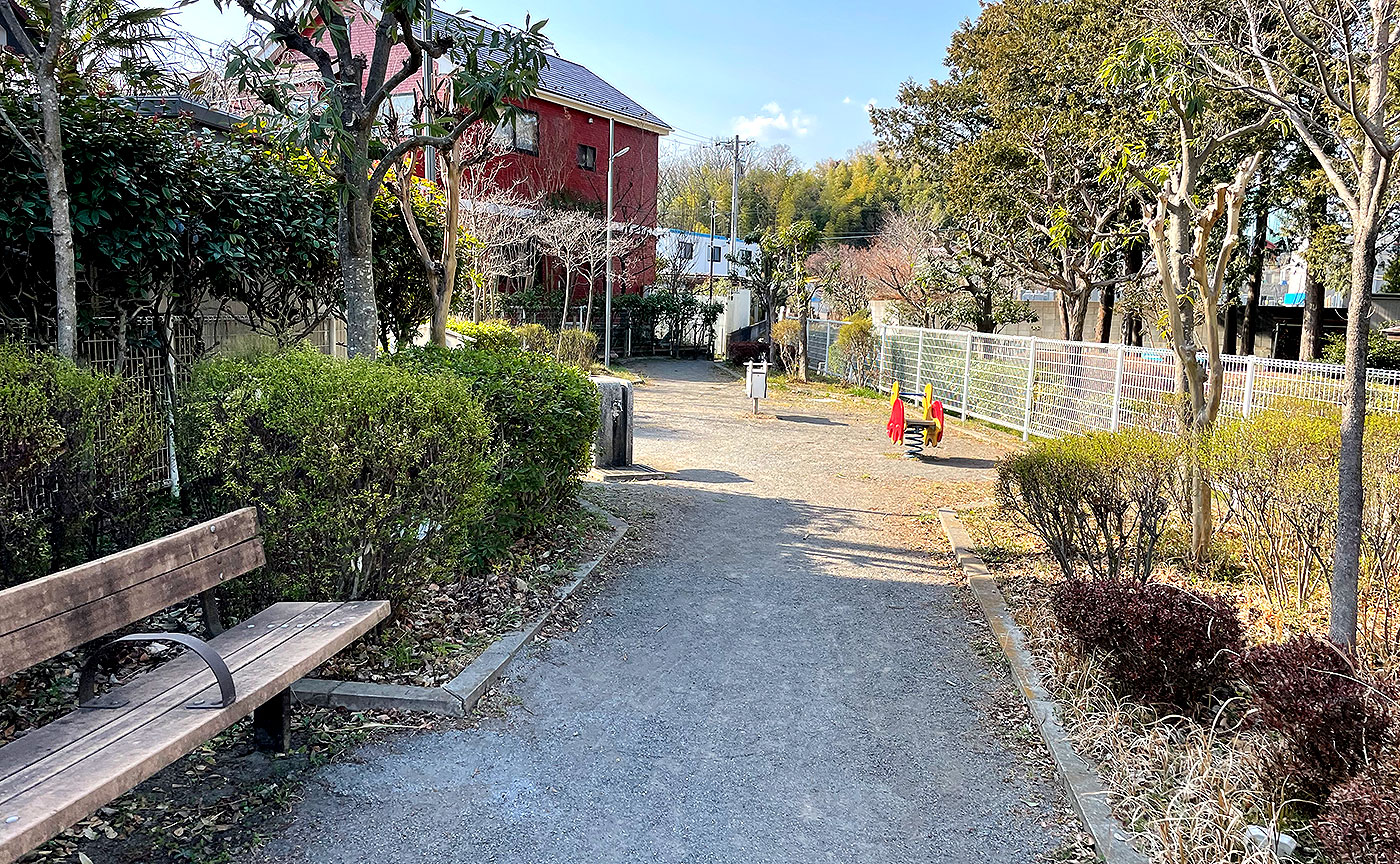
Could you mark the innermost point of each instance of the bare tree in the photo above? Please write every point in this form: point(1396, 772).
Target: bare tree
point(844, 282)
point(1340, 103)
point(565, 236)
point(342, 114)
point(895, 261)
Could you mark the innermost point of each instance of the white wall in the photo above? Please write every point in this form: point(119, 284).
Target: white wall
point(669, 242)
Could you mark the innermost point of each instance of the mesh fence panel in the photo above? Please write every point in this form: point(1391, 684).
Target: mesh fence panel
point(1049, 387)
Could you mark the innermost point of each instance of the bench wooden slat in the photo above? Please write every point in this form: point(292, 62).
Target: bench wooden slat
point(162, 730)
point(46, 597)
point(127, 599)
point(34, 767)
point(232, 644)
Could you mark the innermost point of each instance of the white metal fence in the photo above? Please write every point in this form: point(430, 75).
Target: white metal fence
point(1049, 387)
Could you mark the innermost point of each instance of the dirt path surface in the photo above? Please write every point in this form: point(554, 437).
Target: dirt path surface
point(774, 676)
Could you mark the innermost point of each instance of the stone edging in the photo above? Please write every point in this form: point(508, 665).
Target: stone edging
point(459, 696)
point(1086, 791)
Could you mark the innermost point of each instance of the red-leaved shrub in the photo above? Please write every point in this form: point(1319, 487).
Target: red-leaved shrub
point(742, 352)
point(1360, 824)
point(1332, 722)
point(1163, 645)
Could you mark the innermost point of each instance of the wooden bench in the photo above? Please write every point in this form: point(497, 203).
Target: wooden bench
point(59, 773)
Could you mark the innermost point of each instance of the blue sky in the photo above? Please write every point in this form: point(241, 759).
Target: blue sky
point(799, 73)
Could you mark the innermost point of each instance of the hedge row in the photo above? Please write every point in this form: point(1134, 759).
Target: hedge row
point(1101, 502)
point(373, 476)
point(74, 458)
point(370, 476)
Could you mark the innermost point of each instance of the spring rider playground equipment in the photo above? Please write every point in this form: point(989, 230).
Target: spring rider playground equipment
point(915, 432)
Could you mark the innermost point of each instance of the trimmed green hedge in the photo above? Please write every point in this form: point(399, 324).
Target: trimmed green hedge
point(75, 457)
point(369, 477)
point(544, 415)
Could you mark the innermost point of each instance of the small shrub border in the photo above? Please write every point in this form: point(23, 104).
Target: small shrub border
point(369, 478)
point(1308, 691)
point(1164, 645)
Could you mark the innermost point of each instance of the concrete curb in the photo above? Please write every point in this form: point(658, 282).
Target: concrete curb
point(723, 366)
point(1086, 791)
point(459, 696)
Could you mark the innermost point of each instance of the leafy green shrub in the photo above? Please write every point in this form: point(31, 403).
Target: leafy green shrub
point(1360, 823)
point(1308, 691)
point(1381, 353)
point(787, 335)
point(576, 348)
point(544, 416)
point(853, 353)
point(1099, 501)
point(1278, 472)
point(537, 338)
point(1162, 644)
point(369, 478)
point(75, 454)
point(487, 335)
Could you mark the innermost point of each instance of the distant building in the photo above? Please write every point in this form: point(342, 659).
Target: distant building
point(696, 252)
point(558, 138)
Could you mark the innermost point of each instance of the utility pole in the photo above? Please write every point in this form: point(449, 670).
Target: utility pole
point(734, 200)
point(429, 153)
point(710, 253)
point(607, 242)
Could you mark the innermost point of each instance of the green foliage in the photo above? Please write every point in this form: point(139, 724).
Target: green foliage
point(156, 203)
point(488, 335)
point(536, 337)
point(852, 356)
point(79, 442)
point(787, 335)
point(544, 416)
point(577, 349)
point(1278, 471)
point(1100, 501)
point(370, 478)
point(1381, 353)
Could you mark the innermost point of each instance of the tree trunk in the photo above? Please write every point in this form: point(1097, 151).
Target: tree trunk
point(1314, 296)
point(1249, 327)
point(1104, 331)
point(802, 341)
point(357, 271)
point(1314, 290)
point(61, 227)
point(1074, 308)
point(1346, 562)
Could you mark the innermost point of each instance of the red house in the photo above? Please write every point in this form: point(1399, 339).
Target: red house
point(559, 146)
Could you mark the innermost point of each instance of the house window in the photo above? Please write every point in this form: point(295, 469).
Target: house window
point(520, 131)
point(687, 249)
point(587, 157)
point(715, 252)
point(745, 256)
point(398, 108)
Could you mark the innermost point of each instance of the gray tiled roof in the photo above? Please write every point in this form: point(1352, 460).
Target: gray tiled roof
point(563, 77)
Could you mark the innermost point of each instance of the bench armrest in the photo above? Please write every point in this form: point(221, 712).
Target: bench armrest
point(87, 680)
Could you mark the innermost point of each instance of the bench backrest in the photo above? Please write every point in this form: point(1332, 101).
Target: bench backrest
point(45, 617)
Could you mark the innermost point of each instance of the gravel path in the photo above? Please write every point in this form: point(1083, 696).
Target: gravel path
point(777, 678)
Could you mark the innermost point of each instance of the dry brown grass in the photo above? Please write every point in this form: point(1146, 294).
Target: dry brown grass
point(1187, 788)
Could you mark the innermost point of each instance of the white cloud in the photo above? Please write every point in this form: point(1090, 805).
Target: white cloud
point(846, 101)
point(773, 122)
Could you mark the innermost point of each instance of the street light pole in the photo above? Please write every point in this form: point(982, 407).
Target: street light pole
point(607, 243)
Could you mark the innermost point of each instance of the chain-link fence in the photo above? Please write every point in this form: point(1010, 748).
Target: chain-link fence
point(1049, 387)
point(136, 356)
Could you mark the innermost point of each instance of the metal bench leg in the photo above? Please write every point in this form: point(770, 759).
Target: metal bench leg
point(272, 724)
